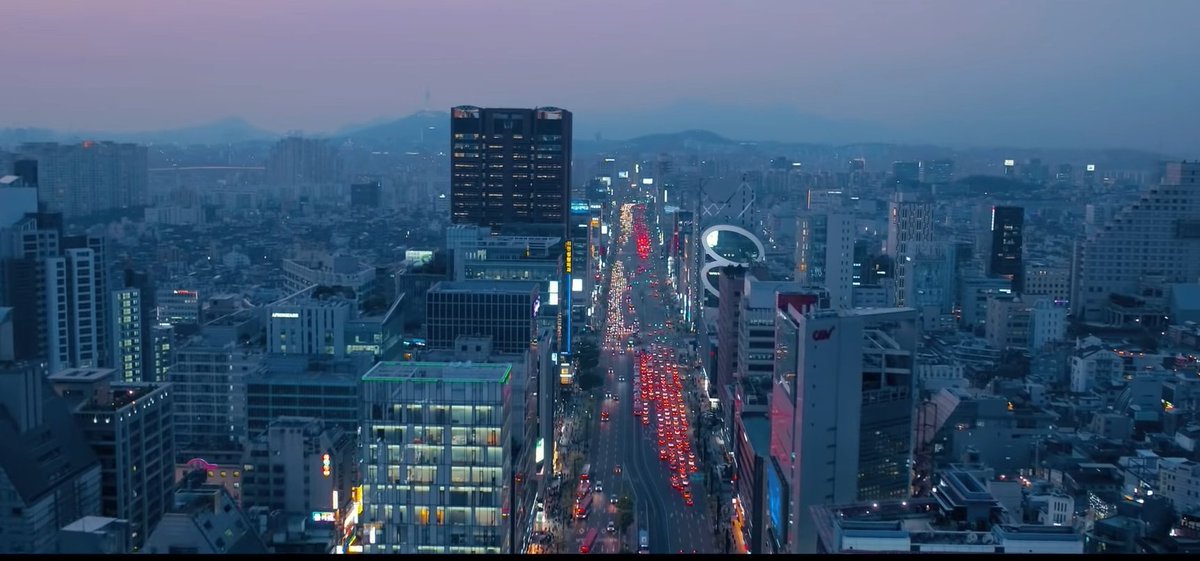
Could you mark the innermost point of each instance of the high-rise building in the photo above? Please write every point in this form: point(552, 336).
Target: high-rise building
point(303, 161)
point(49, 475)
point(366, 194)
point(841, 414)
point(755, 358)
point(825, 254)
point(929, 272)
point(127, 330)
point(143, 284)
point(1003, 242)
point(910, 219)
point(504, 310)
point(938, 172)
point(511, 169)
point(208, 383)
point(88, 177)
point(906, 174)
point(432, 425)
point(1160, 234)
point(103, 278)
point(161, 352)
point(82, 321)
point(131, 429)
point(732, 286)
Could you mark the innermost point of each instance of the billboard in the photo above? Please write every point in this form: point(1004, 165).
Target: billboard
point(777, 498)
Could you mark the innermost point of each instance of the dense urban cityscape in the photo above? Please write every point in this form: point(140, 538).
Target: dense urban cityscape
point(480, 331)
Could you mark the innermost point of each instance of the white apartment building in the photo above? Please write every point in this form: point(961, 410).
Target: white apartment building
point(1179, 480)
point(825, 255)
point(81, 318)
point(308, 326)
point(1048, 323)
point(1159, 234)
point(1092, 362)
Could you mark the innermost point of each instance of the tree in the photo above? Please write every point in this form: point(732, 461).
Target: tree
point(624, 512)
point(589, 379)
point(587, 354)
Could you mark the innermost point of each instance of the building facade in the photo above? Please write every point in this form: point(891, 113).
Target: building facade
point(511, 168)
point(126, 334)
point(130, 427)
point(428, 427)
point(88, 177)
point(825, 254)
point(849, 402)
point(504, 310)
point(910, 219)
point(1160, 234)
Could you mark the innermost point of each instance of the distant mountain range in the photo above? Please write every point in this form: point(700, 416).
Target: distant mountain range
point(224, 131)
point(702, 124)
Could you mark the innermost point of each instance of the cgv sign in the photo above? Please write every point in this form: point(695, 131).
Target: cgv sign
point(823, 334)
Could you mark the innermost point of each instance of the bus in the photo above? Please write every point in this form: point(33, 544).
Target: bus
point(585, 489)
point(588, 541)
point(643, 541)
point(587, 470)
point(582, 507)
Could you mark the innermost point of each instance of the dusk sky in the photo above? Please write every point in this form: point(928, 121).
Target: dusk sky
point(1028, 72)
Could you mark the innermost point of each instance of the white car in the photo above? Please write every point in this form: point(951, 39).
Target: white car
point(599, 486)
point(612, 527)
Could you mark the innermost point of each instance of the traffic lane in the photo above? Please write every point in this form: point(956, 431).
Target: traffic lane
point(644, 456)
point(639, 469)
point(603, 457)
point(690, 521)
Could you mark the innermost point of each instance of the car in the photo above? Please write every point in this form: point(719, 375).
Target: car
point(612, 527)
point(599, 487)
point(617, 469)
point(688, 501)
point(612, 500)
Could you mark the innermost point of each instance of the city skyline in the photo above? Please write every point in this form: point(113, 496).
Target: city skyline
point(958, 73)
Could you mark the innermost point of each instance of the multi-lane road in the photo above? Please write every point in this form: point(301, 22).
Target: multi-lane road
point(623, 440)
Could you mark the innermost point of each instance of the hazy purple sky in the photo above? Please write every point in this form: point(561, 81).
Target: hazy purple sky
point(955, 70)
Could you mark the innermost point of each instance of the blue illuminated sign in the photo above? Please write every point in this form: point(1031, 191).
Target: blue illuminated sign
point(775, 498)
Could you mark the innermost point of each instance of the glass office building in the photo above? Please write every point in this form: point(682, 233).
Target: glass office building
point(436, 471)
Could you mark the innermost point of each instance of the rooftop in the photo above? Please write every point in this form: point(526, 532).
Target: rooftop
point(453, 372)
point(122, 396)
point(505, 287)
point(90, 524)
point(82, 375)
point(758, 430)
